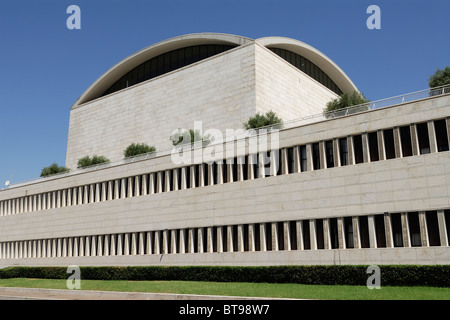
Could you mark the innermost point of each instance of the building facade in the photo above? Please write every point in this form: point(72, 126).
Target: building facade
point(371, 187)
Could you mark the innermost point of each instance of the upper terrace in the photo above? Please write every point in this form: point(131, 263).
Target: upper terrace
point(391, 102)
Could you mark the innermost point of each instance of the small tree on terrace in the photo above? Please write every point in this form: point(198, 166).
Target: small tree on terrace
point(263, 120)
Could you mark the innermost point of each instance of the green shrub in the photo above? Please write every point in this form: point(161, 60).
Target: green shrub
point(392, 275)
point(263, 120)
point(183, 135)
point(135, 149)
point(87, 161)
point(53, 169)
point(344, 101)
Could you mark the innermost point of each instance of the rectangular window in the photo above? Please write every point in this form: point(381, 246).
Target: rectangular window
point(405, 138)
point(316, 156)
point(293, 234)
point(397, 233)
point(329, 153)
point(306, 235)
point(343, 151)
point(348, 232)
point(380, 231)
point(389, 146)
point(422, 135)
point(357, 149)
point(290, 160)
point(373, 146)
point(319, 234)
point(432, 228)
point(364, 232)
point(303, 159)
point(334, 235)
point(440, 129)
point(414, 229)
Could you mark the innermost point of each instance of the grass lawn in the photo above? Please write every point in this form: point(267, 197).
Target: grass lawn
point(274, 290)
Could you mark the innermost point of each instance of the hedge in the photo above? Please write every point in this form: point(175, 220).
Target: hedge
point(398, 275)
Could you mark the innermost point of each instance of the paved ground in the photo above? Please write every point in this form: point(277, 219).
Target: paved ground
point(57, 294)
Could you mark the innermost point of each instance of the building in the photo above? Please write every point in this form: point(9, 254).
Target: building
point(369, 186)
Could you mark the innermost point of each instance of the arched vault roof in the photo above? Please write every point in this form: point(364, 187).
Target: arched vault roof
point(117, 71)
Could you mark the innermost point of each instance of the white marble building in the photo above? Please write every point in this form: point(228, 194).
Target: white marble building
point(367, 188)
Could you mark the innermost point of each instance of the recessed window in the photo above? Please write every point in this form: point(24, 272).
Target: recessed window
point(164, 63)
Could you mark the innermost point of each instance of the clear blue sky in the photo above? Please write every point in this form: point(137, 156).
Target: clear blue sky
point(44, 67)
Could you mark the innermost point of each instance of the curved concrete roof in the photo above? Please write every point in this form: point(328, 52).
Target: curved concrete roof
point(134, 60)
point(129, 63)
point(318, 58)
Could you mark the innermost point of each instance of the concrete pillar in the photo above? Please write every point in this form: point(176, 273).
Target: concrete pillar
point(152, 186)
point(312, 232)
point(158, 182)
point(137, 186)
point(201, 175)
point(286, 234)
point(116, 189)
point(284, 161)
point(106, 245)
point(261, 167)
point(165, 241)
point(113, 245)
point(219, 239)
point(74, 197)
point(141, 248)
point(356, 234)
point(119, 246)
point(262, 237)
point(336, 153)
point(156, 244)
point(341, 234)
point(274, 162)
point(134, 244)
point(240, 168)
point(144, 184)
point(405, 230)
point(149, 243)
point(388, 230)
point(372, 231)
point(443, 237)
point(432, 136)
point(167, 179)
point(129, 192)
point(97, 192)
point(219, 172)
point(192, 176)
point(251, 238)
point(397, 143)
point(191, 248)
point(381, 145)
point(75, 247)
point(275, 244)
point(230, 242)
point(209, 240)
point(250, 166)
point(423, 229)
point(240, 238)
point(297, 159)
point(200, 240)
point(414, 140)
point(299, 233)
point(322, 155)
point(93, 240)
point(309, 157)
point(326, 233)
point(87, 190)
point(365, 147)
point(110, 193)
point(103, 191)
